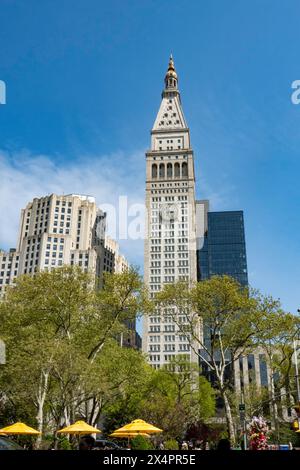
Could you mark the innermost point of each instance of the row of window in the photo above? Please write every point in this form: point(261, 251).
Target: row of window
point(169, 185)
point(167, 255)
point(54, 262)
point(169, 241)
point(159, 199)
point(168, 271)
point(166, 191)
point(54, 240)
point(169, 170)
point(7, 273)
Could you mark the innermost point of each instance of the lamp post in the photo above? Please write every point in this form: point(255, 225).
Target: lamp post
point(242, 410)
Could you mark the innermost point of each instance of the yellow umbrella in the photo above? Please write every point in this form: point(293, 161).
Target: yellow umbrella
point(139, 426)
point(125, 434)
point(80, 427)
point(19, 428)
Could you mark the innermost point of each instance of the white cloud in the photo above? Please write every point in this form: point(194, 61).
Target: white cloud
point(24, 176)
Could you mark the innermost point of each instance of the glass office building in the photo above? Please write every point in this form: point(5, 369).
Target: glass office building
point(224, 247)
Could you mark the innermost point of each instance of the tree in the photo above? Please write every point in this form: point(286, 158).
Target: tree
point(177, 397)
point(169, 399)
point(222, 322)
point(55, 326)
point(276, 341)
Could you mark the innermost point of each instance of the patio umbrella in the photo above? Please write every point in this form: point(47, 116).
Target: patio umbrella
point(79, 428)
point(19, 428)
point(128, 434)
point(139, 426)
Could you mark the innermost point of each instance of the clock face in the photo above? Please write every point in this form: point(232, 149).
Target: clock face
point(168, 213)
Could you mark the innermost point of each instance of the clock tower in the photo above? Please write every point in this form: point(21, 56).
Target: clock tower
point(170, 239)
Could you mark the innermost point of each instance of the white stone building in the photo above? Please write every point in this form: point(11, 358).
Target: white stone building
point(114, 262)
point(56, 231)
point(170, 241)
point(61, 230)
point(9, 264)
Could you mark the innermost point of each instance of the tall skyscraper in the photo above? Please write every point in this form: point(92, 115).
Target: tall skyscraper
point(170, 241)
point(61, 230)
point(223, 246)
point(57, 231)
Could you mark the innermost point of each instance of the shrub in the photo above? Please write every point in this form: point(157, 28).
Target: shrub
point(64, 444)
point(171, 444)
point(141, 443)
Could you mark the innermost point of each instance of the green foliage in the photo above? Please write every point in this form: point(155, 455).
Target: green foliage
point(59, 332)
point(171, 444)
point(141, 443)
point(154, 395)
point(284, 435)
point(64, 444)
point(65, 363)
point(236, 319)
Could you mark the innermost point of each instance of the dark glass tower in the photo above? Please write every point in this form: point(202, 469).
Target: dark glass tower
point(224, 247)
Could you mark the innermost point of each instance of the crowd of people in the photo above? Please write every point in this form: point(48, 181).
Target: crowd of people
point(89, 443)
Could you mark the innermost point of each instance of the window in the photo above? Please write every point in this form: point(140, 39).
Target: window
point(184, 169)
point(161, 170)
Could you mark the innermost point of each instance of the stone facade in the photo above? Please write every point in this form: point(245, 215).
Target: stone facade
point(57, 231)
point(170, 239)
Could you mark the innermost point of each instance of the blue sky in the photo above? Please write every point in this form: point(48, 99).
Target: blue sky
point(83, 86)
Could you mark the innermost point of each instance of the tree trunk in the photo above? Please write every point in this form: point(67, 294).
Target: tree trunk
point(42, 392)
point(229, 419)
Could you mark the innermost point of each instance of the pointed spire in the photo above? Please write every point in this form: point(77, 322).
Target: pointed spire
point(171, 78)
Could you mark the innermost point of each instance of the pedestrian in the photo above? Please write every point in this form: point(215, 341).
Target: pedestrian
point(161, 446)
point(198, 445)
point(184, 446)
point(86, 443)
point(224, 444)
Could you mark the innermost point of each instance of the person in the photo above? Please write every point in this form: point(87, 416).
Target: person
point(223, 444)
point(198, 445)
point(86, 443)
point(184, 446)
point(161, 446)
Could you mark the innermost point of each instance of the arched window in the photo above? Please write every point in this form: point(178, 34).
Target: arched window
point(177, 170)
point(169, 170)
point(154, 170)
point(184, 170)
point(161, 170)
